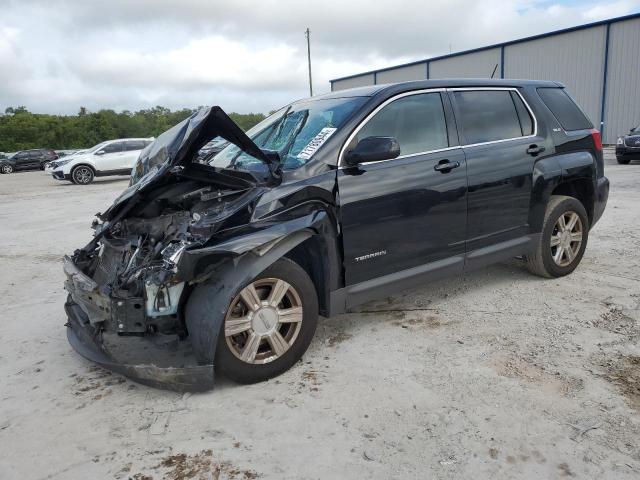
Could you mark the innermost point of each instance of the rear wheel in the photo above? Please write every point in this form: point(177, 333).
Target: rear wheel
point(563, 240)
point(82, 175)
point(6, 168)
point(623, 161)
point(267, 326)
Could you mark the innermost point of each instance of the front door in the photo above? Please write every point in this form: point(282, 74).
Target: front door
point(112, 157)
point(409, 211)
point(22, 161)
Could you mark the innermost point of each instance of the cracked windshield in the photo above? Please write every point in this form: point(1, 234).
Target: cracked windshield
point(295, 132)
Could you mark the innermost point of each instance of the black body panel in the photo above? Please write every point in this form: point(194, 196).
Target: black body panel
point(360, 232)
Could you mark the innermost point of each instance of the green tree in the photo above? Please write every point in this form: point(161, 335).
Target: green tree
point(21, 129)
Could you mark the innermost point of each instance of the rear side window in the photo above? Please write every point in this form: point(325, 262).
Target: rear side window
point(487, 115)
point(134, 145)
point(416, 121)
point(564, 109)
point(526, 122)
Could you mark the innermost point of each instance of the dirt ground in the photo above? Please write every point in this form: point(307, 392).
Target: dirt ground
point(496, 374)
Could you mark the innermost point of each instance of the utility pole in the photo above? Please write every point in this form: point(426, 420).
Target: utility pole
point(307, 34)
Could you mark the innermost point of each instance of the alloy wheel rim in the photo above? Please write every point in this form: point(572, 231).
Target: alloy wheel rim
point(263, 321)
point(566, 238)
point(82, 175)
point(6, 169)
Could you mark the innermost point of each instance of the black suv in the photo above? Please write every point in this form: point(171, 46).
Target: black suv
point(328, 203)
point(628, 146)
point(27, 160)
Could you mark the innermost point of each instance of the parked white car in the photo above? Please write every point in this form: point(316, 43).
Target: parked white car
point(113, 157)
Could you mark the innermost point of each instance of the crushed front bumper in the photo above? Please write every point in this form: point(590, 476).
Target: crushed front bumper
point(160, 361)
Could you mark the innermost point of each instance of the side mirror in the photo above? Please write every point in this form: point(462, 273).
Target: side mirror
point(100, 152)
point(373, 149)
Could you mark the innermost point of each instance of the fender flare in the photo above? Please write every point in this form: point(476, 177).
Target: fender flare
point(549, 173)
point(232, 264)
point(207, 304)
point(83, 164)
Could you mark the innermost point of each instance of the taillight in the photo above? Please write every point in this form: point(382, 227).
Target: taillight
point(597, 139)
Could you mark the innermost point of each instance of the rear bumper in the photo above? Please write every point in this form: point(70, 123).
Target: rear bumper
point(601, 197)
point(161, 361)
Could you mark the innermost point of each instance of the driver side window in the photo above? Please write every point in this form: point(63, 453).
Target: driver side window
point(416, 121)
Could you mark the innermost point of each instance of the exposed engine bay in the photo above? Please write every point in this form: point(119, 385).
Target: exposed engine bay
point(128, 285)
point(136, 261)
point(148, 295)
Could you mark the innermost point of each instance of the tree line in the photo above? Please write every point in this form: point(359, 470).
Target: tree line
point(21, 129)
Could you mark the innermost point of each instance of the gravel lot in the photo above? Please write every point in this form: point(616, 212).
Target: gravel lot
point(496, 374)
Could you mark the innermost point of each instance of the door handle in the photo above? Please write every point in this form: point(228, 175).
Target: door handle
point(535, 150)
point(445, 166)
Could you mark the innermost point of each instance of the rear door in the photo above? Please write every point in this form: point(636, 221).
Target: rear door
point(405, 212)
point(499, 136)
point(132, 150)
point(36, 158)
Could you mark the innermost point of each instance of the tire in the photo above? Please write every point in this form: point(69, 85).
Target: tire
point(623, 161)
point(544, 260)
point(6, 168)
point(255, 327)
point(82, 175)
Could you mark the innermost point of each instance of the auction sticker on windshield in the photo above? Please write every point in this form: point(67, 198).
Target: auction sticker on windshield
point(316, 142)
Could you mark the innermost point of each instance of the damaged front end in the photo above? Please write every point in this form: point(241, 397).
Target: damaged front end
point(127, 287)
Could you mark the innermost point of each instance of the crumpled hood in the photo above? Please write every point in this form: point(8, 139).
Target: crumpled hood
point(178, 146)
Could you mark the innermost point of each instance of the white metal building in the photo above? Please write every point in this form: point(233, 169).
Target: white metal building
point(599, 63)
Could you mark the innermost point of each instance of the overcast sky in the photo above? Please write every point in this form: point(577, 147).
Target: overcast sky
point(246, 56)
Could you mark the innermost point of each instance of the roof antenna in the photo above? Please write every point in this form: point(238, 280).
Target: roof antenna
point(494, 70)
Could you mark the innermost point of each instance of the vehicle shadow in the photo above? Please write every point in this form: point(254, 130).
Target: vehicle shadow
point(100, 181)
point(432, 298)
point(438, 293)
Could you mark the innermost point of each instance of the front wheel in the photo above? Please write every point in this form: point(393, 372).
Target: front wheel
point(82, 175)
point(6, 168)
point(267, 326)
point(563, 240)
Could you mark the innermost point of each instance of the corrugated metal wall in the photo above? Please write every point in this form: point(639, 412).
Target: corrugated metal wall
point(359, 81)
point(473, 65)
point(622, 102)
point(575, 58)
point(403, 74)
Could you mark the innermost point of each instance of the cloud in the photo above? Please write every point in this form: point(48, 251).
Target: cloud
point(56, 55)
